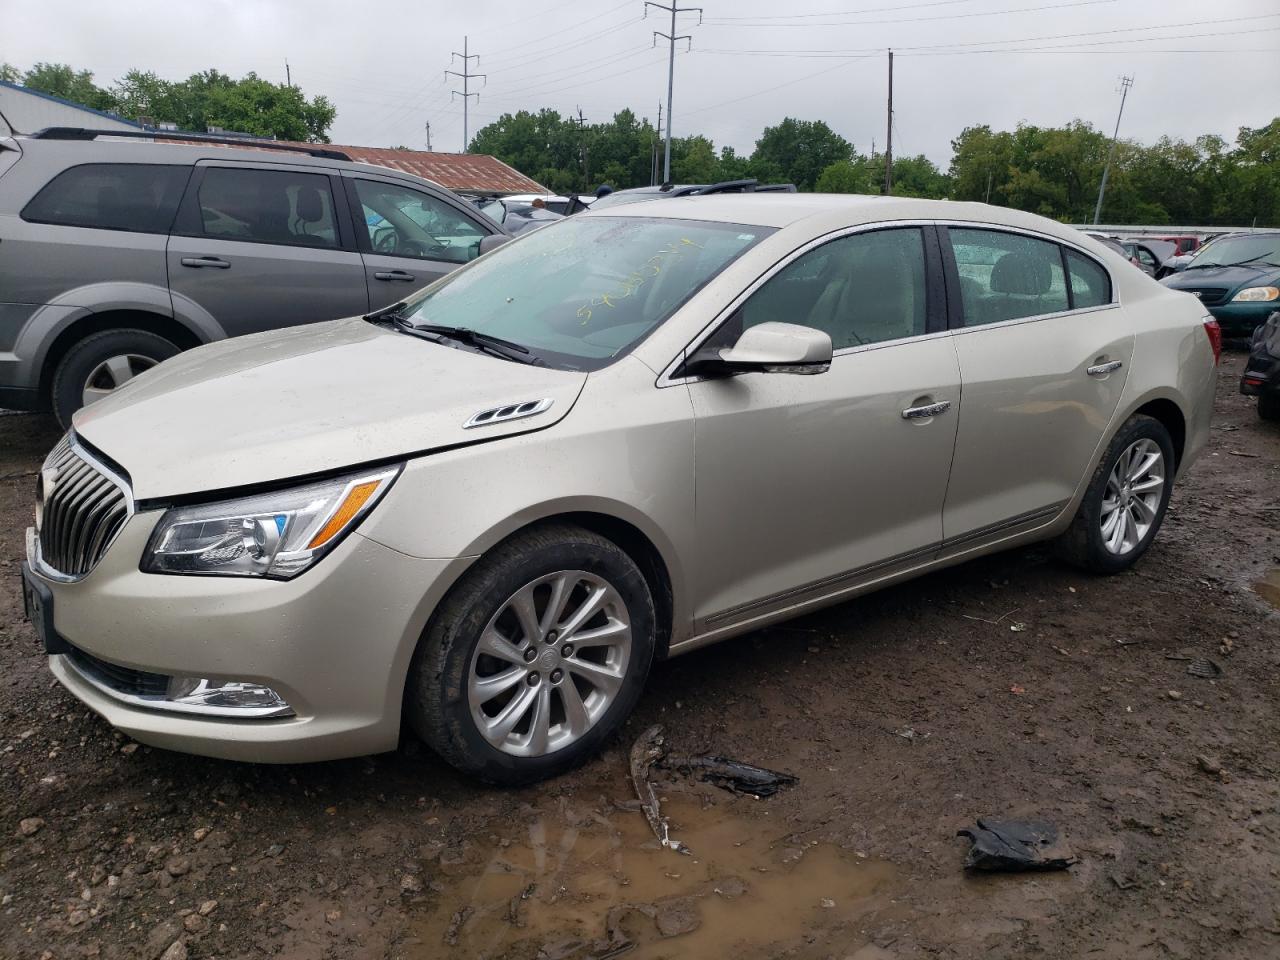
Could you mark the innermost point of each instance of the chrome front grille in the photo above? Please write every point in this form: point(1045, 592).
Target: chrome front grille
point(80, 507)
point(1208, 295)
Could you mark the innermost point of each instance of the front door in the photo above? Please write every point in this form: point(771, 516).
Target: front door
point(257, 248)
point(409, 237)
point(806, 484)
point(1044, 360)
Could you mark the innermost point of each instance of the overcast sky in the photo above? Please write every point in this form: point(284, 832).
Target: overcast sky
point(1215, 67)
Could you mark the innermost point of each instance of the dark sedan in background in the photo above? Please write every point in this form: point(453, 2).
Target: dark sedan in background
point(1262, 373)
point(1237, 279)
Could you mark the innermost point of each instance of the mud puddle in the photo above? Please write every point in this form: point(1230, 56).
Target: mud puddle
point(603, 887)
point(1268, 588)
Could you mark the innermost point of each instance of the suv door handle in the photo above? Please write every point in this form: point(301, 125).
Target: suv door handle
point(217, 262)
point(928, 410)
point(393, 275)
point(1102, 369)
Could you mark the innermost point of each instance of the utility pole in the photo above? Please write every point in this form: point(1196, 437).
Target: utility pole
point(888, 149)
point(1125, 84)
point(466, 94)
point(653, 164)
point(581, 121)
point(288, 78)
point(428, 125)
point(671, 39)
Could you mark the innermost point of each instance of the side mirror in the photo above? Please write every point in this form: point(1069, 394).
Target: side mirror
point(492, 242)
point(767, 348)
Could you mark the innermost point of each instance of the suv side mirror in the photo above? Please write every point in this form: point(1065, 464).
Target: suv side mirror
point(767, 348)
point(492, 242)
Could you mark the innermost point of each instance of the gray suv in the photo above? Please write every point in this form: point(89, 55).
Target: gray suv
point(115, 255)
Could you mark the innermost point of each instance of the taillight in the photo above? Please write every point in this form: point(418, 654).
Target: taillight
point(1214, 333)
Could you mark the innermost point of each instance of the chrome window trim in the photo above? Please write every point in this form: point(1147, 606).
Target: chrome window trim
point(37, 558)
point(668, 379)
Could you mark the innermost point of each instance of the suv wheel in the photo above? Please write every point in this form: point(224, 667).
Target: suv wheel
point(102, 362)
point(1269, 406)
point(1125, 502)
point(535, 658)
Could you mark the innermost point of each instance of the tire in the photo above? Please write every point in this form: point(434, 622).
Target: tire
point(71, 380)
point(1269, 406)
point(1085, 542)
point(444, 696)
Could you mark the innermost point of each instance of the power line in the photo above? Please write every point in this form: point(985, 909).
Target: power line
point(466, 93)
point(837, 13)
point(1125, 84)
point(946, 16)
point(671, 37)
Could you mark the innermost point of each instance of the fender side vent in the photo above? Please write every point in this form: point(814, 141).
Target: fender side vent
point(511, 411)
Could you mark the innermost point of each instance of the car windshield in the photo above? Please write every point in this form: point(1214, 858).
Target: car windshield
point(1264, 248)
point(582, 292)
point(494, 210)
point(618, 199)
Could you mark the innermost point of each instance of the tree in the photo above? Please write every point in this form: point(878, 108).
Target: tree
point(801, 150)
point(61, 80)
point(9, 73)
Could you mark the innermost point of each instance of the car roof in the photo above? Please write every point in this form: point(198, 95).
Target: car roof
point(829, 209)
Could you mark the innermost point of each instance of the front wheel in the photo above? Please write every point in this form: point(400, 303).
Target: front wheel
point(535, 658)
point(1126, 499)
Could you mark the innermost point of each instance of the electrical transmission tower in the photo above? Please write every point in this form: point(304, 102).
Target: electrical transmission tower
point(465, 93)
point(1125, 84)
point(671, 39)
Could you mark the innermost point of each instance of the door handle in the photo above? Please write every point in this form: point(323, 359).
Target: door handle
point(926, 411)
point(392, 275)
point(1102, 369)
point(217, 262)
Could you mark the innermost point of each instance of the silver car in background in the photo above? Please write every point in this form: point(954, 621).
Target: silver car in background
point(489, 509)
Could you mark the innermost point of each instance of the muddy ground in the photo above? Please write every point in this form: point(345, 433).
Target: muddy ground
point(1012, 686)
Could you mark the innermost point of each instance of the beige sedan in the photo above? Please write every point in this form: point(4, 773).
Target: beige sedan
point(489, 509)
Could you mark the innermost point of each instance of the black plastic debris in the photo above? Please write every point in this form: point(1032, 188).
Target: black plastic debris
point(1204, 668)
point(1012, 845)
point(732, 774)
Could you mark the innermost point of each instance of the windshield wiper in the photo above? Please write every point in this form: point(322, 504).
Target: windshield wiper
point(496, 346)
point(388, 314)
point(1238, 263)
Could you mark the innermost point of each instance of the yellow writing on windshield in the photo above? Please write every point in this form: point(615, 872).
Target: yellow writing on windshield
point(627, 286)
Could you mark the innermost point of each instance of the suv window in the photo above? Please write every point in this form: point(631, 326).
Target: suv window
point(403, 222)
point(140, 197)
point(1005, 276)
point(1090, 284)
point(860, 289)
point(267, 206)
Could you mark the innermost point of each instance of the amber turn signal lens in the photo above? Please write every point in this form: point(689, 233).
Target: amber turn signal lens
point(349, 507)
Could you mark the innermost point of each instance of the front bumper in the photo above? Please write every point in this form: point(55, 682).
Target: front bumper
point(335, 643)
point(1241, 319)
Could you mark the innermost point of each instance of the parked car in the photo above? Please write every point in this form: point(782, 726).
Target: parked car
point(1237, 278)
point(116, 254)
point(1115, 246)
point(1261, 377)
point(1183, 244)
point(617, 198)
point(518, 216)
point(1150, 255)
point(487, 510)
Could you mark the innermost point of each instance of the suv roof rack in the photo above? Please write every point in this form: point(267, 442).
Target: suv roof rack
point(745, 186)
point(85, 133)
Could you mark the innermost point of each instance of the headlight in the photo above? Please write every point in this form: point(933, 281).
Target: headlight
point(1256, 294)
point(276, 535)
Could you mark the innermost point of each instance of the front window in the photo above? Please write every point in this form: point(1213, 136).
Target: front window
point(403, 222)
point(619, 199)
point(586, 290)
point(1262, 250)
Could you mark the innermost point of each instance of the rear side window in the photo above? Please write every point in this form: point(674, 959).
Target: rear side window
point(1090, 284)
point(140, 197)
point(1006, 276)
point(267, 206)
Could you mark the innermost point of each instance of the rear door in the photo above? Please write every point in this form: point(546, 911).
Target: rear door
point(409, 236)
point(258, 246)
point(1044, 352)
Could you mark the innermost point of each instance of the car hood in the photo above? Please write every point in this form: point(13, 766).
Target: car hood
point(305, 400)
point(1226, 277)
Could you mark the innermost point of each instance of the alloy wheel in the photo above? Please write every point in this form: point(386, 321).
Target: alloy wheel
point(114, 372)
point(1132, 498)
point(549, 663)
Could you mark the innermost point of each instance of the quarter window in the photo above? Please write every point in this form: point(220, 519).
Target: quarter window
point(139, 197)
point(860, 289)
point(1090, 284)
point(267, 206)
point(403, 222)
point(1005, 276)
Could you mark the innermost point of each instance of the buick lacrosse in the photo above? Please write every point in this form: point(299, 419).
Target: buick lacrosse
point(482, 513)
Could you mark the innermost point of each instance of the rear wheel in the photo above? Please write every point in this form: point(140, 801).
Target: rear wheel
point(102, 363)
point(1269, 406)
point(535, 658)
point(1125, 502)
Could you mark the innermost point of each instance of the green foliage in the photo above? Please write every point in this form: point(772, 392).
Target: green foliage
point(801, 150)
point(210, 99)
